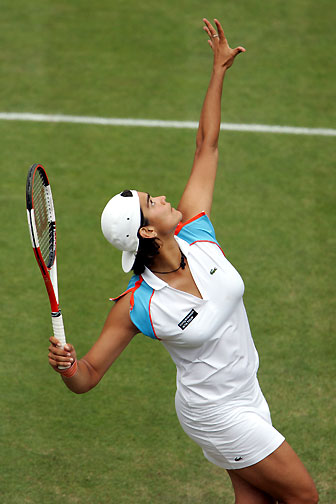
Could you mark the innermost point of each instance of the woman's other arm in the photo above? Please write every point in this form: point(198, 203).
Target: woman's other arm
point(198, 192)
point(117, 333)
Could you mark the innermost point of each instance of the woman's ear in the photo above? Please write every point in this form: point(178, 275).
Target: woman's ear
point(147, 232)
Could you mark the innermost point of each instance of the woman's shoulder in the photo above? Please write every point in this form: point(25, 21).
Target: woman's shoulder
point(198, 228)
point(136, 299)
point(133, 284)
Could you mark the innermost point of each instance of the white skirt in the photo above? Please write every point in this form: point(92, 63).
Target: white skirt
point(232, 435)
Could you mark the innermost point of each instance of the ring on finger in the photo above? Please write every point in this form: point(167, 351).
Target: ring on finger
point(214, 36)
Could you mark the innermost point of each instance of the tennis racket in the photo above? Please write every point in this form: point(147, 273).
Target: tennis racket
point(42, 228)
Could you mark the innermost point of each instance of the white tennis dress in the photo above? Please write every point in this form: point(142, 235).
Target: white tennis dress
point(218, 399)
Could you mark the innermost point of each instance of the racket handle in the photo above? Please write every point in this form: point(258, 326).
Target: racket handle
point(58, 329)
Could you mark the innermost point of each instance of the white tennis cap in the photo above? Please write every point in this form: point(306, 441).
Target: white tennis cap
point(120, 222)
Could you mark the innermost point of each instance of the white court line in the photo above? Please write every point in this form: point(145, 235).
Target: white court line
point(148, 123)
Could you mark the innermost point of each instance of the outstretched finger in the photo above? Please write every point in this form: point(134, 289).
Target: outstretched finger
point(239, 49)
point(209, 28)
point(207, 31)
point(220, 30)
point(210, 44)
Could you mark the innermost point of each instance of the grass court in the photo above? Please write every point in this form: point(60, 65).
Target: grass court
point(273, 211)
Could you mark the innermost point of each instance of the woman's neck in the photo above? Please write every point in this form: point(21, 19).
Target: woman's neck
point(169, 259)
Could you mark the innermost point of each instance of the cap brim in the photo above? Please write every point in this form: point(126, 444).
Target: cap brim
point(127, 260)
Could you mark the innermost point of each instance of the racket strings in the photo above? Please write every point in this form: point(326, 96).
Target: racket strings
point(44, 222)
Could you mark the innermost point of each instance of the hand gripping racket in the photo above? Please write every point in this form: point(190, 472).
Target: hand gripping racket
point(42, 227)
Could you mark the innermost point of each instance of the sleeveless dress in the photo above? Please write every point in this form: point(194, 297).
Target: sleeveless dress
point(218, 399)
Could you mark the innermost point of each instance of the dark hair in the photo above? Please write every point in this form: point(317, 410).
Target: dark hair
point(148, 249)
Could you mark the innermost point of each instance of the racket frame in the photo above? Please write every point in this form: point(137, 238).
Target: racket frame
point(49, 271)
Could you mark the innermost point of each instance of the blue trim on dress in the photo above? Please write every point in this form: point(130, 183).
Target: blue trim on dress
point(140, 312)
point(199, 229)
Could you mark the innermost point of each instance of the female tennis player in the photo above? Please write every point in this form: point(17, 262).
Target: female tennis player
point(185, 293)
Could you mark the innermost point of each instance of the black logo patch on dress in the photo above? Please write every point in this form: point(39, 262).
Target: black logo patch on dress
point(187, 319)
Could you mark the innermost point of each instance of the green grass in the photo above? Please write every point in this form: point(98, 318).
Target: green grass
point(273, 212)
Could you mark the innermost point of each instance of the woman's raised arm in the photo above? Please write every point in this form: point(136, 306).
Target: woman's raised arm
point(198, 192)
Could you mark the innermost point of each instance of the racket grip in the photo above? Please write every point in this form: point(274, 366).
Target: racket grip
point(58, 329)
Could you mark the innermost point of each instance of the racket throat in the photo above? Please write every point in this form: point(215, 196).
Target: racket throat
point(53, 278)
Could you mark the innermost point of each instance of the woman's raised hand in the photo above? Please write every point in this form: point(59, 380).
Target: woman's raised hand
point(223, 54)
